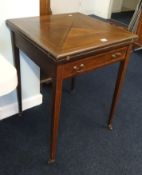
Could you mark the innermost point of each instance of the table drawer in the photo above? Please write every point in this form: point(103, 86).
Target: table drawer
point(93, 62)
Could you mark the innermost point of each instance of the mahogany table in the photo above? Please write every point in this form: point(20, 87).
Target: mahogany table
point(67, 45)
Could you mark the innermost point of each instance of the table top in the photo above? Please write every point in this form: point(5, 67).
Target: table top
point(68, 34)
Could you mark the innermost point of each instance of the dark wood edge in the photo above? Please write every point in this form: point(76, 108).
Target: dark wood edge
point(71, 57)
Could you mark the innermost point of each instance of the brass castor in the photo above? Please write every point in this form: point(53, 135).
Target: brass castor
point(110, 127)
point(51, 161)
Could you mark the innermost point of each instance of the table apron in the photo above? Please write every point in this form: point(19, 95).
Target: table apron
point(91, 63)
point(69, 69)
point(36, 54)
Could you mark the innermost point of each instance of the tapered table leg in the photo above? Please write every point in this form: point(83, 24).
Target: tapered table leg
point(16, 56)
point(57, 93)
point(118, 87)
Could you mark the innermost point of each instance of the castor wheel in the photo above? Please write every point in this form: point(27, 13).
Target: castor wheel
point(110, 127)
point(51, 161)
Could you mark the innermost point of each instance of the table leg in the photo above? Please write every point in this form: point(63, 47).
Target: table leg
point(118, 87)
point(16, 57)
point(57, 93)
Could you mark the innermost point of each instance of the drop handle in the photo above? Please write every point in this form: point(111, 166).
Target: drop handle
point(116, 54)
point(78, 68)
point(113, 55)
point(81, 65)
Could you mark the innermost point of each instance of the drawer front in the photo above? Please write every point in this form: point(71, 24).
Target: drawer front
point(93, 62)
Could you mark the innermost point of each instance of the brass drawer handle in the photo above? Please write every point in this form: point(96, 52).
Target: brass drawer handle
point(113, 55)
point(78, 68)
point(116, 55)
point(75, 67)
point(81, 65)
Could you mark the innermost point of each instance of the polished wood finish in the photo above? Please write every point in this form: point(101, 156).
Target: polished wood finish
point(118, 86)
point(45, 7)
point(57, 93)
point(93, 62)
point(58, 35)
point(68, 45)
